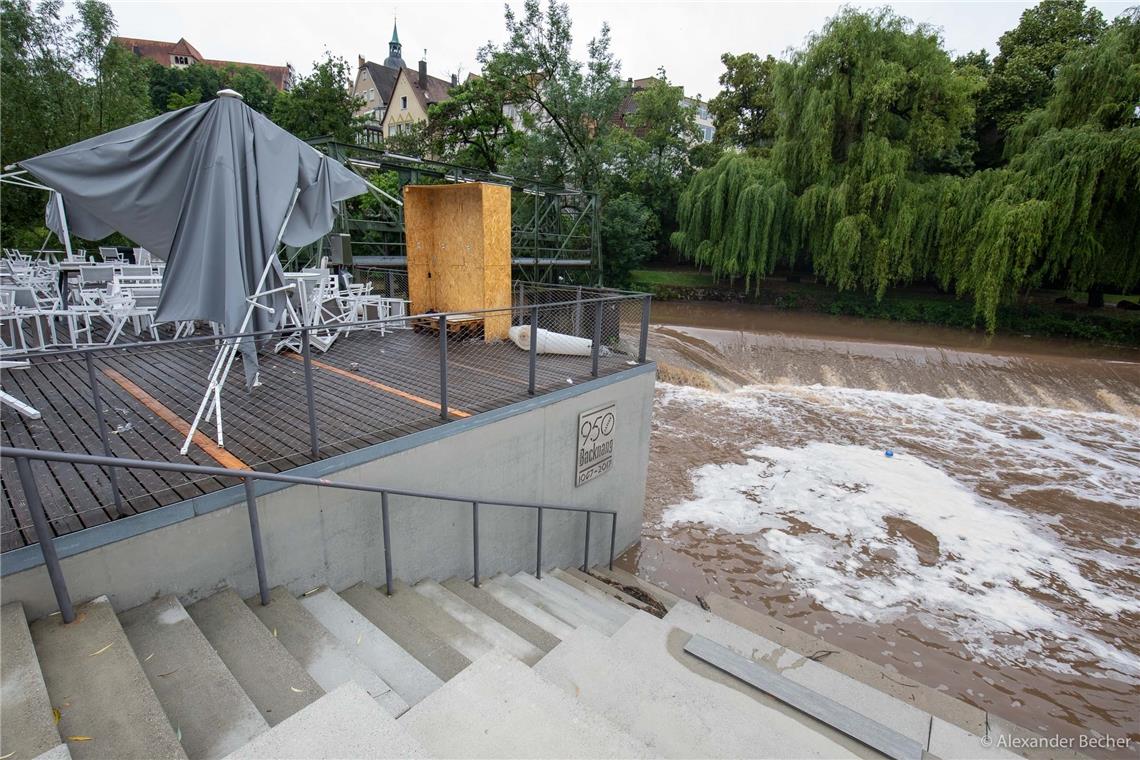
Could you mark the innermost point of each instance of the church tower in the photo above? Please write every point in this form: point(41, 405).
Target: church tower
point(395, 58)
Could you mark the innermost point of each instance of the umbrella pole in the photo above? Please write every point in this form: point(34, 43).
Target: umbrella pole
point(225, 359)
point(63, 223)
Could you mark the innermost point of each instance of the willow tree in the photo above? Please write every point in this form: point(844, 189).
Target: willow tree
point(1064, 210)
point(872, 117)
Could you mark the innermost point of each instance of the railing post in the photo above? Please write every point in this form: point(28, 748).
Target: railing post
point(613, 537)
point(596, 349)
point(112, 472)
point(586, 553)
point(475, 539)
point(44, 537)
point(533, 348)
point(578, 313)
point(443, 367)
point(387, 543)
point(644, 344)
point(255, 532)
point(307, 355)
point(538, 559)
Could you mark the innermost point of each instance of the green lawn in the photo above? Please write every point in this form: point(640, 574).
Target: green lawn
point(671, 277)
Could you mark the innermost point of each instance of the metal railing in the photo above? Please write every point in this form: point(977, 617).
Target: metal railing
point(23, 459)
point(605, 317)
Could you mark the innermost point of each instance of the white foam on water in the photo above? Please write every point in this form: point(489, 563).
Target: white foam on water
point(823, 498)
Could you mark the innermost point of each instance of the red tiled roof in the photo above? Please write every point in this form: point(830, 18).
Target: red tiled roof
point(160, 52)
point(278, 75)
point(435, 92)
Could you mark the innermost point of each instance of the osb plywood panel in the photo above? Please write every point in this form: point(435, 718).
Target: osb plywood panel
point(496, 259)
point(419, 228)
point(459, 250)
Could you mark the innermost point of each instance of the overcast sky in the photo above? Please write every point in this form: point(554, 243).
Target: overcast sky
point(687, 38)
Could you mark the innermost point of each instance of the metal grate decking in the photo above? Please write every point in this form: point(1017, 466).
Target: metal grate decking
point(368, 388)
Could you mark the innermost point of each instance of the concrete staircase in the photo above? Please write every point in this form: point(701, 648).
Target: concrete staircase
point(572, 665)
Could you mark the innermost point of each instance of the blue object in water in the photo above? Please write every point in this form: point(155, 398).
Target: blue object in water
point(889, 453)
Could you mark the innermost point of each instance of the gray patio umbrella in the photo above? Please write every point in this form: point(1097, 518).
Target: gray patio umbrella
point(207, 188)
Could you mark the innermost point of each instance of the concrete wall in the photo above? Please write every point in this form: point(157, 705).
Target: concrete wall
point(317, 536)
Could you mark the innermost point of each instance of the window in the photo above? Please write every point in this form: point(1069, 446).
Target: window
point(181, 60)
point(404, 103)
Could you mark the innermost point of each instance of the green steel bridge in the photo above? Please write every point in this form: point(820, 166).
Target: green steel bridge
point(554, 229)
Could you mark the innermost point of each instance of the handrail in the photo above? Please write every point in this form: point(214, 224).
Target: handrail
point(55, 573)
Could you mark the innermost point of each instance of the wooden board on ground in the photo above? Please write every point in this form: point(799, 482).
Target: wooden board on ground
point(459, 326)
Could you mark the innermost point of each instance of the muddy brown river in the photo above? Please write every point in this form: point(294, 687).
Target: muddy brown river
point(963, 510)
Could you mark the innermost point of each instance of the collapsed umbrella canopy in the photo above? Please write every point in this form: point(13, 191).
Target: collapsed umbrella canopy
point(207, 188)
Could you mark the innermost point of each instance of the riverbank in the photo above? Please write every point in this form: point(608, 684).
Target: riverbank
point(1040, 316)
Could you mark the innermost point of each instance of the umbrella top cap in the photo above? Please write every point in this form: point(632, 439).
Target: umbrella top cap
point(228, 93)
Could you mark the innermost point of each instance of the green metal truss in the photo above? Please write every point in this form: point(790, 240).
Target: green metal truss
point(554, 229)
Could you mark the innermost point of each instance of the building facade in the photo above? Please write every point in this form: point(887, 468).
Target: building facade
point(374, 81)
point(414, 92)
point(181, 54)
point(394, 97)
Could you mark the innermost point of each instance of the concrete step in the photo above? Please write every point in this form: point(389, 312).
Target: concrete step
point(574, 578)
point(58, 752)
point(27, 727)
point(346, 722)
point(210, 713)
point(554, 589)
point(274, 681)
point(554, 626)
point(427, 614)
point(95, 681)
point(497, 708)
point(408, 676)
point(420, 642)
point(552, 606)
point(871, 703)
point(628, 579)
point(608, 589)
point(942, 705)
point(677, 709)
point(489, 605)
point(329, 662)
point(590, 597)
point(483, 625)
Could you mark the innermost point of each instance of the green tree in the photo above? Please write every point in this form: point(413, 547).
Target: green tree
point(61, 82)
point(744, 110)
point(258, 92)
point(872, 116)
point(470, 127)
point(1063, 211)
point(412, 140)
point(566, 107)
point(651, 159)
point(628, 229)
point(321, 103)
point(172, 88)
point(1026, 65)
point(865, 173)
